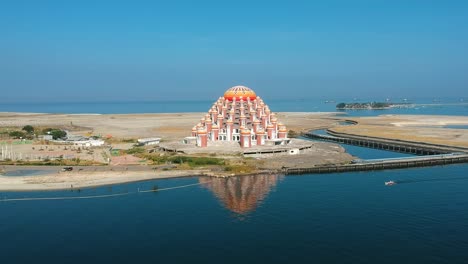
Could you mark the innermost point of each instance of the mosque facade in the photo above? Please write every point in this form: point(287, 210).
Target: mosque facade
point(240, 116)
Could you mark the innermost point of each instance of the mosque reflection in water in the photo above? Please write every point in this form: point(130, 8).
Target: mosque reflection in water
point(241, 194)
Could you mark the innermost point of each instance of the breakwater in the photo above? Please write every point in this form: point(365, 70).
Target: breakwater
point(410, 147)
point(429, 154)
point(384, 164)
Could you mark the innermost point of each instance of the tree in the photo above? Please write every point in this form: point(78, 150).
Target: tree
point(341, 105)
point(56, 134)
point(29, 129)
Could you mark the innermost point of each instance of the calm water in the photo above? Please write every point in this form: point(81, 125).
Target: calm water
point(332, 218)
point(457, 126)
point(425, 106)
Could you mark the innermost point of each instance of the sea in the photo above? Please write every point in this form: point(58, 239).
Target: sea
point(314, 218)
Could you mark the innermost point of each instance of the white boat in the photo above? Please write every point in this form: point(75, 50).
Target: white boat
point(390, 183)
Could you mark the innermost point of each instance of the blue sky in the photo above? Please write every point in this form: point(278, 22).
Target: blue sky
point(160, 50)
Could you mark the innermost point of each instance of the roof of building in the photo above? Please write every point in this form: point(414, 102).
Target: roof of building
point(239, 92)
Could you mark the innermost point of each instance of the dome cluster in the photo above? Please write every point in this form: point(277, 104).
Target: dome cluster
point(240, 116)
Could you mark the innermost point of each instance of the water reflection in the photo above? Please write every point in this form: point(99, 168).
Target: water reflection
point(241, 194)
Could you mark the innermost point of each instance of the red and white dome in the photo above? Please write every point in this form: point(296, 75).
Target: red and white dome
point(239, 92)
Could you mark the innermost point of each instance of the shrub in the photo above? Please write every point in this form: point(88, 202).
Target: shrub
point(135, 150)
point(292, 134)
point(17, 134)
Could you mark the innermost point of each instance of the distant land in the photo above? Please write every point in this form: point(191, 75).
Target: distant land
point(371, 105)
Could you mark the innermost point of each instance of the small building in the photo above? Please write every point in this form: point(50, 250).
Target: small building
point(148, 141)
point(190, 140)
point(46, 137)
point(81, 141)
point(88, 143)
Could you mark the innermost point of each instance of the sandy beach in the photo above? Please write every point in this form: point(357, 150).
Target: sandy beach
point(169, 126)
point(417, 128)
point(77, 179)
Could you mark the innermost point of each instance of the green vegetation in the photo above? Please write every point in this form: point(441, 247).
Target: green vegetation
point(49, 162)
point(184, 160)
point(371, 105)
point(292, 134)
point(29, 129)
point(56, 133)
point(135, 150)
point(243, 168)
point(341, 105)
point(17, 134)
point(196, 161)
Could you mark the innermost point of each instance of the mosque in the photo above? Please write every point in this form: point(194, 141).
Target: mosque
point(240, 116)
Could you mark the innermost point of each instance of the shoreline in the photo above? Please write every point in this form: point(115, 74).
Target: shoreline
point(75, 180)
point(51, 178)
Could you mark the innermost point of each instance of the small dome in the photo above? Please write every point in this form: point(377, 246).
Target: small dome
point(239, 92)
point(245, 132)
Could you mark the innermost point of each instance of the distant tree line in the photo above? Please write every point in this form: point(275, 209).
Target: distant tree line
point(29, 132)
point(371, 105)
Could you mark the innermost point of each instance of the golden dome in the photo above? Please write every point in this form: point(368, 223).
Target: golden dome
point(239, 92)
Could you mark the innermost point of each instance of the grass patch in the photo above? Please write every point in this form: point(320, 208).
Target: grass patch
point(135, 150)
point(184, 161)
point(45, 162)
point(244, 168)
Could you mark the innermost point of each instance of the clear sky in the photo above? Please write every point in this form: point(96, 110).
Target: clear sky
point(160, 50)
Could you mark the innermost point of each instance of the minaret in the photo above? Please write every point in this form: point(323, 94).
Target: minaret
point(264, 121)
point(214, 114)
point(224, 110)
point(282, 132)
point(260, 139)
point(214, 132)
point(242, 119)
point(229, 127)
point(256, 125)
point(220, 121)
point(270, 129)
point(245, 138)
point(202, 140)
point(274, 122)
point(252, 115)
point(209, 124)
point(267, 113)
point(194, 131)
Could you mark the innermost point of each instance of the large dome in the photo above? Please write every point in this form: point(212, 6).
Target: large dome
point(239, 92)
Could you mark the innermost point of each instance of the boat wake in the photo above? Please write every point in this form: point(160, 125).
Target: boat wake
point(430, 180)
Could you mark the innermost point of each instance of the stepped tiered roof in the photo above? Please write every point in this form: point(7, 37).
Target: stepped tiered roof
point(240, 116)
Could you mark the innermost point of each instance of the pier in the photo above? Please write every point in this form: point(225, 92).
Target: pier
point(428, 154)
point(409, 147)
point(383, 164)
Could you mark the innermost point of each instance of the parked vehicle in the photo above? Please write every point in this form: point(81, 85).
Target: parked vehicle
point(67, 168)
